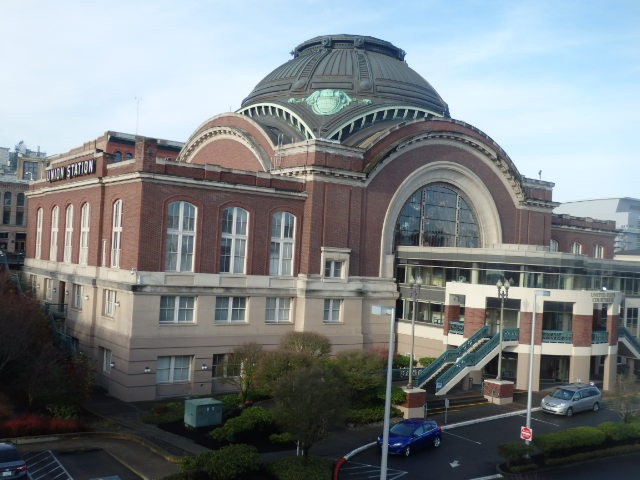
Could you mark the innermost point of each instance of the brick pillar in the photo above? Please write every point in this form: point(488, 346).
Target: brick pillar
point(413, 407)
point(498, 391)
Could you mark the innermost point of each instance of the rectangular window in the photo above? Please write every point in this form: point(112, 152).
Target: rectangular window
point(176, 309)
point(230, 309)
point(30, 170)
point(19, 217)
point(68, 235)
point(333, 269)
point(48, 289)
point(174, 369)
point(278, 310)
point(53, 245)
point(107, 360)
point(85, 220)
point(116, 236)
point(76, 296)
point(224, 366)
point(110, 303)
point(332, 310)
point(39, 234)
point(632, 317)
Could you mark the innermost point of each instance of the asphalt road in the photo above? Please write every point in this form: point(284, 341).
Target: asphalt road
point(470, 451)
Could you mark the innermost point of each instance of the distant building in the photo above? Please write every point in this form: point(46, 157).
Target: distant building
point(341, 184)
point(624, 211)
point(13, 227)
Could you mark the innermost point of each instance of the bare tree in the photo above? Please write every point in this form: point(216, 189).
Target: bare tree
point(625, 398)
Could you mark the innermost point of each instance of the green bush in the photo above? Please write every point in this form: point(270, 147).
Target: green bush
point(67, 412)
point(426, 361)
point(515, 452)
point(251, 420)
point(364, 416)
point(401, 361)
point(573, 439)
point(295, 468)
point(233, 462)
point(231, 404)
point(284, 438)
point(398, 395)
point(620, 432)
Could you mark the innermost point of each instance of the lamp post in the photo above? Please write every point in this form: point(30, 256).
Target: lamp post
point(416, 283)
point(536, 294)
point(503, 293)
point(391, 311)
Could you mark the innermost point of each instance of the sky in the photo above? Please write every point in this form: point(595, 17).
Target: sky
point(555, 83)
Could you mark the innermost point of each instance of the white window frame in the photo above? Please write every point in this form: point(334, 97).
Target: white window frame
point(332, 311)
point(110, 299)
point(107, 360)
point(230, 310)
point(48, 289)
point(553, 245)
point(39, 216)
point(85, 225)
point(181, 260)
point(77, 296)
point(233, 244)
point(576, 247)
point(182, 309)
point(68, 234)
point(335, 263)
point(278, 310)
point(223, 366)
point(598, 250)
point(53, 246)
point(283, 227)
point(116, 235)
point(172, 369)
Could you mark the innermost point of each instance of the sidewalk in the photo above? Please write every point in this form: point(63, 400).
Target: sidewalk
point(153, 453)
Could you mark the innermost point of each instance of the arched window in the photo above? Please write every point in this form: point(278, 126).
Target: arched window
point(437, 216)
point(39, 216)
point(576, 247)
point(553, 245)
point(116, 234)
point(598, 251)
point(68, 234)
point(181, 231)
point(282, 233)
point(7, 198)
point(85, 223)
point(233, 244)
point(53, 246)
point(128, 156)
point(117, 156)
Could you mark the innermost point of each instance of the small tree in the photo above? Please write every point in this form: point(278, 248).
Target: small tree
point(625, 398)
point(362, 370)
point(274, 365)
point(310, 343)
point(309, 401)
point(247, 357)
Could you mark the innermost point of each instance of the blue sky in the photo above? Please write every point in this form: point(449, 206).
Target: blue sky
point(555, 83)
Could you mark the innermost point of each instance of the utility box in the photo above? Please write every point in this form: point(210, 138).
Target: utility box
point(202, 412)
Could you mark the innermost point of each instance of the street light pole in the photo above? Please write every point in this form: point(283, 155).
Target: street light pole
point(536, 294)
point(416, 283)
point(380, 310)
point(503, 293)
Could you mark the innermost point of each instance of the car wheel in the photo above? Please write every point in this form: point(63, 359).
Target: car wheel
point(436, 442)
point(596, 407)
point(407, 451)
point(569, 412)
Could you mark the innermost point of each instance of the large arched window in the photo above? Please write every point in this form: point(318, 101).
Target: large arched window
point(85, 224)
point(181, 231)
point(116, 234)
point(39, 216)
point(282, 233)
point(437, 216)
point(576, 247)
point(68, 234)
point(553, 245)
point(233, 244)
point(53, 245)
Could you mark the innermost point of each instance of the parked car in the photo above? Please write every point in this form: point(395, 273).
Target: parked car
point(413, 434)
point(572, 398)
point(11, 463)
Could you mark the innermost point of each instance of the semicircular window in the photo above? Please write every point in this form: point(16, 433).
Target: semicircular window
point(437, 216)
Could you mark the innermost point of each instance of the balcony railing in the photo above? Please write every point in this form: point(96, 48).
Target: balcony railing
point(557, 336)
point(456, 328)
point(599, 337)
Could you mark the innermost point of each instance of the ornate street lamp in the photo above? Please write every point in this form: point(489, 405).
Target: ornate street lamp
point(416, 283)
point(503, 293)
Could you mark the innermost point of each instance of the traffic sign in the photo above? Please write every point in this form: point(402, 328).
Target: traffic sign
point(526, 433)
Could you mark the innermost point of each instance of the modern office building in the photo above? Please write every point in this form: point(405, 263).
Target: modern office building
point(340, 184)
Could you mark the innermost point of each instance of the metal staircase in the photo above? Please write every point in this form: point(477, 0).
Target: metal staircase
point(629, 341)
point(450, 356)
point(474, 360)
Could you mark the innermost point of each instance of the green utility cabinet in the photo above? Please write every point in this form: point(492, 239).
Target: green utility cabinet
point(202, 412)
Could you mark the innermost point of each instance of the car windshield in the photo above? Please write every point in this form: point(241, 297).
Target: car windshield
point(403, 429)
point(562, 394)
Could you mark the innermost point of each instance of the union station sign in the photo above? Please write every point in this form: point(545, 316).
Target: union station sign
point(77, 169)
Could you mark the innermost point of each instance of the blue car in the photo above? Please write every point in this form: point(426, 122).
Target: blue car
point(413, 434)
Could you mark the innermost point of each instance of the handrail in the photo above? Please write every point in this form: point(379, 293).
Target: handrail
point(473, 358)
point(629, 337)
point(450, 356)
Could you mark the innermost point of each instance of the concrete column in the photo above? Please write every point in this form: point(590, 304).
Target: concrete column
point(522, 378)
point(579, 368)
point(609, 377)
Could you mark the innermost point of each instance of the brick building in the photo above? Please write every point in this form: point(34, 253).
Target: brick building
point(341, 183)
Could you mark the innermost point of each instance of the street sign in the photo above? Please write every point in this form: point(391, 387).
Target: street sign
point(526, 433)
point(438, 385)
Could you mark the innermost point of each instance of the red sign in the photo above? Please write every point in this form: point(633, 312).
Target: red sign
point(526, 433)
